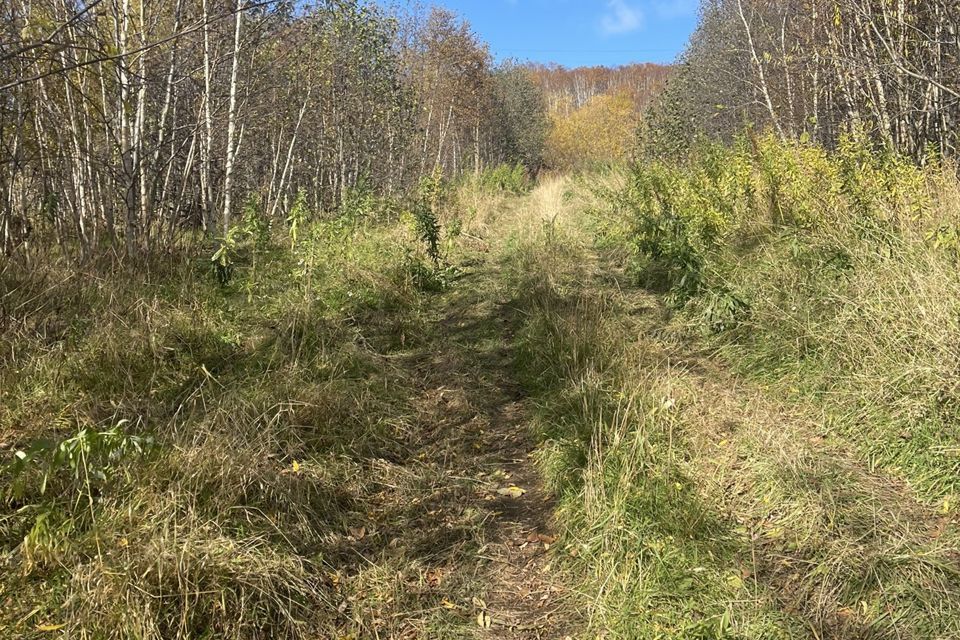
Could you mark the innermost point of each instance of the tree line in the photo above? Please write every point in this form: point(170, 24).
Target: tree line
point(568, 90)
point(126, 123)
point(888, 69)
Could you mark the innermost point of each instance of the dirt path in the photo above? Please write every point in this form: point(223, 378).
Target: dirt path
point(805, 536)
point(810, 527)
point(471, 371)
point(481, 526)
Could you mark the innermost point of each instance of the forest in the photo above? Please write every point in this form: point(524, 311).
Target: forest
point(326, 320)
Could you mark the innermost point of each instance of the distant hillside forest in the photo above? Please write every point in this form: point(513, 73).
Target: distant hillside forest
point(570, 89)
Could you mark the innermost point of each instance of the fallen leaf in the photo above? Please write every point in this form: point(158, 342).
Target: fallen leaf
point(446, 604)
point(511, 492)
point(296, 467)
point(50, 627)
point(735, 581)
point(545, 539)
point(484, 620)
point(358, 532)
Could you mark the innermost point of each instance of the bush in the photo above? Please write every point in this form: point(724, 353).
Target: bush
point(832, 271)
point(690, 222)
point(509, 178)
point(599, 133)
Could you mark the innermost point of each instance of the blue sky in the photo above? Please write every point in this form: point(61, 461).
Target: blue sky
point(581, 32)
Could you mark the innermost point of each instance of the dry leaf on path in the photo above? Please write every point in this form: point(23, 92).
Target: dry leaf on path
point(484, 620)
point(511, 492)
point(544, 538)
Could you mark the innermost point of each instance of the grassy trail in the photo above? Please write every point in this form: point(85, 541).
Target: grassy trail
point(335, 448)
point(536, 451)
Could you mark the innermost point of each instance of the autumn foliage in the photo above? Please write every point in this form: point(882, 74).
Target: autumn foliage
point(594, 111)
point(600, 132)
point(567, 90)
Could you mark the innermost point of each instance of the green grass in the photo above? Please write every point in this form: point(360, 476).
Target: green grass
point(657, 560)
point(832, 275)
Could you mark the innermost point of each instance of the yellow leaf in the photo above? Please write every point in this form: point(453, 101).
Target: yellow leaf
point(50, 627)
point(512, 491)
point(446, 604)
point(296, 467)
point(735, 581)
point(484, 620)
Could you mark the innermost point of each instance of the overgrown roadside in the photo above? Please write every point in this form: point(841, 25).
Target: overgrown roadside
point(694, 502)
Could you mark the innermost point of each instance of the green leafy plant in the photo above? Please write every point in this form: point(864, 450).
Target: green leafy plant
point(223, 259)
point(254, 225)
point(297, 217)
point(430, 194)
point(721, 310)
point(947, 239)
point(358, 202)
point(510, 178)
point(89, 456)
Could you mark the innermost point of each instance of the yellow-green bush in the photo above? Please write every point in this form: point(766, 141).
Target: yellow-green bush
point(830, 271)
point(600, 132)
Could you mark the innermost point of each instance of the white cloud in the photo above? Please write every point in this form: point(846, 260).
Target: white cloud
point(621, 18)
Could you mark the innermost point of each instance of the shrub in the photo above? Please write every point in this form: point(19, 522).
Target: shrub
point(833, 271)
point(599, 133)
point(509, 178)
point(690, 223)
